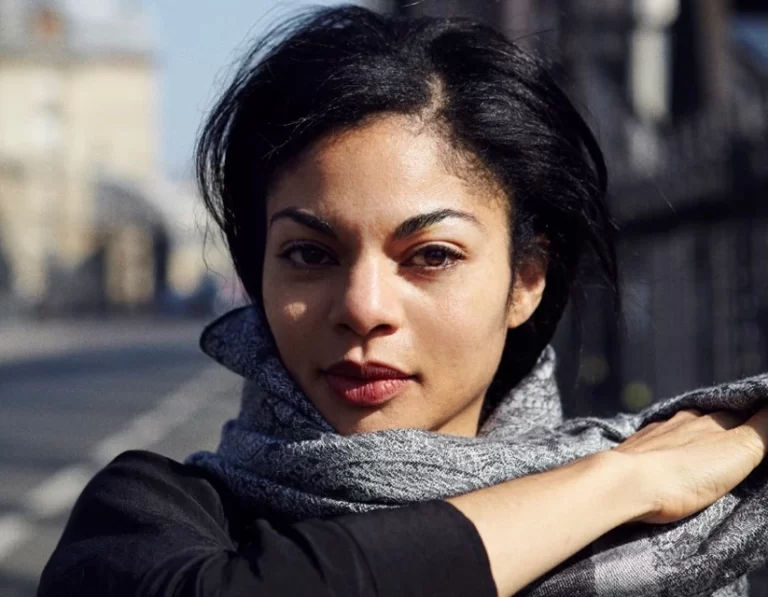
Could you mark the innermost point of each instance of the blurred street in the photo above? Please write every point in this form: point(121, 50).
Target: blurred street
point(76, 394)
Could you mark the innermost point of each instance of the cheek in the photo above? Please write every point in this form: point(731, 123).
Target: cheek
point(290, 320)
point(288, 313)
point(286, 302)
point(295, 311)
point(467, 320)
point(286, 320)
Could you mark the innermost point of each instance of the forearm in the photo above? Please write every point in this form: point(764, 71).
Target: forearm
point(532, 524)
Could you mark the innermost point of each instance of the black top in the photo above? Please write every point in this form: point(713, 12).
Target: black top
point(147, 525)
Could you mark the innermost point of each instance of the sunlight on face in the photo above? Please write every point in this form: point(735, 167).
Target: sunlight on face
point(382, 259)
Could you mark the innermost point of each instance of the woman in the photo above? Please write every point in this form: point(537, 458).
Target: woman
point(406, 202)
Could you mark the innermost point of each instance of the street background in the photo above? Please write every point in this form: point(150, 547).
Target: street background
point(109, 270)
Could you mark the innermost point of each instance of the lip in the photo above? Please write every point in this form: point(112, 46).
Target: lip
point(366, 384)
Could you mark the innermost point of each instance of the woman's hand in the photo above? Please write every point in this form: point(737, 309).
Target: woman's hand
point(664, 472)
point(692, 459)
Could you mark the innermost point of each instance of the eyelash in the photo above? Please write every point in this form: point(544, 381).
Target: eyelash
point(452, 255)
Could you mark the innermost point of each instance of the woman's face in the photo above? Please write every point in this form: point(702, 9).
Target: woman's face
point(386, 281)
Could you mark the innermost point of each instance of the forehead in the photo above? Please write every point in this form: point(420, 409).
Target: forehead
point(391, 168)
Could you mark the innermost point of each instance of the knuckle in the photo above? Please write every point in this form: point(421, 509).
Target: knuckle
point(688, 413)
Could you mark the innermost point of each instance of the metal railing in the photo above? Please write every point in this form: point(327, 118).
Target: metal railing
point(715, 156)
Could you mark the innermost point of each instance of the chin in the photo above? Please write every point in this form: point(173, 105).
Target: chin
point(369, 422)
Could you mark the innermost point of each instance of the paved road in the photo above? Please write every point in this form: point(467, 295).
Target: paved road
point(72, 396)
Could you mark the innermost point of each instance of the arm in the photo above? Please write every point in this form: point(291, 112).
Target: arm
point(541, 520)
point(665, 472)
point(140, 524)
point(418, 550)
point(146, 526)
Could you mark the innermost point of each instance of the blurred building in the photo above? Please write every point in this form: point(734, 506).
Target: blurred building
point(77, 104)
point(677, 92)
point(82, 227)
point(680, 93)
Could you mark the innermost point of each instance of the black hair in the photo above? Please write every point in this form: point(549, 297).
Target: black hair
point(334, 69)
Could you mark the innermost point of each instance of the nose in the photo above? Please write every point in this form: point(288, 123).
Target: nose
point(367, 303)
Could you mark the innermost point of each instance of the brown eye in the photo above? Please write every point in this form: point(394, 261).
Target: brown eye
point(311, 255)
point(435, 257)
point(307, 255)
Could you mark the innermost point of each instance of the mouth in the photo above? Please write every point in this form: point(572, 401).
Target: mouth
point(366, 384)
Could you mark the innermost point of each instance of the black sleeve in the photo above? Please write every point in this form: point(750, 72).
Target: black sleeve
point(146, 526)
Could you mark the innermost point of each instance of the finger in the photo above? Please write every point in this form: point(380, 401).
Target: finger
point(686, 414)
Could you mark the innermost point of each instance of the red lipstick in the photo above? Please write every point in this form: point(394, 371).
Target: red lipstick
point(366, 384)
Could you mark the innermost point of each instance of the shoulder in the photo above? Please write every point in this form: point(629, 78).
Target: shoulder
point(144, 487)
point(147, 484)
point(141, 464)
point(135, 511)
point(143, 473)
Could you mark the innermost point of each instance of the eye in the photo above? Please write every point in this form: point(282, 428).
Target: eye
point(307, 255)
point(435, 257)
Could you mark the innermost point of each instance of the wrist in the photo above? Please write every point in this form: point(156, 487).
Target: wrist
point(628, 494)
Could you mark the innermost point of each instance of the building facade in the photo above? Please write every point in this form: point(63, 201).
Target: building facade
point(78, 104)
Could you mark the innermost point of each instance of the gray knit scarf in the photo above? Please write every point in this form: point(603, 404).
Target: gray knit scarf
point(280, 454)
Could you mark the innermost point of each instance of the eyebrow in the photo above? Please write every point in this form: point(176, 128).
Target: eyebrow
point(308, 220)
point(407, 228)
point(422, 221)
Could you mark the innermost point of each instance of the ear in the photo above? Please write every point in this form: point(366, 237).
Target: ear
point(529, 286)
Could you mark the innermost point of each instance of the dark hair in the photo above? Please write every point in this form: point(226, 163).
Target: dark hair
point(333, 69)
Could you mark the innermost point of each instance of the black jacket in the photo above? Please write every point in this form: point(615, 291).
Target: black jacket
point(147, 526)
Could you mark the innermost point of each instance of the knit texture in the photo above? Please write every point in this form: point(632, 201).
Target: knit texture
point(281, 456)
